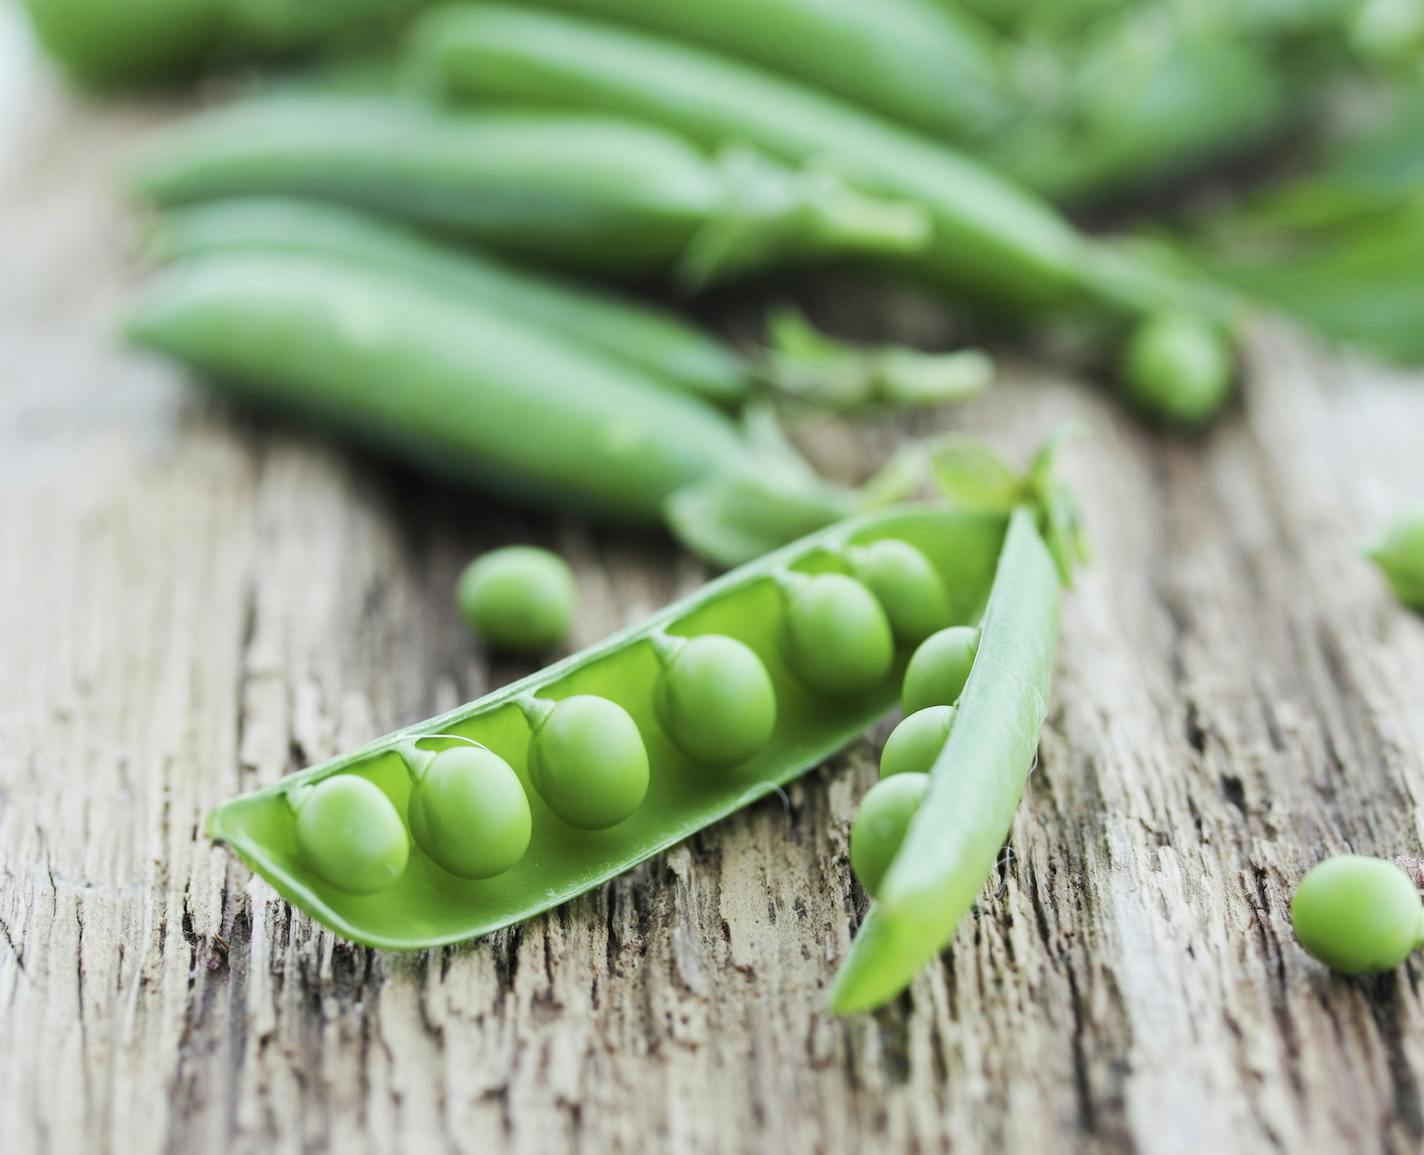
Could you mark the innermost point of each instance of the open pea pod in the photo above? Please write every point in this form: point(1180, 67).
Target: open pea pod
point(545, 789)
point(973, 786)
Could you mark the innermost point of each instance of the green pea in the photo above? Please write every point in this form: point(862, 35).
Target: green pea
point(939, 668)
point(1358, 915)
point(880, 824)
point(916, 742)
point(1178, 368)
point(838, 637)
point(907, 586)
point(351, 835)
point(588, 762)
point(469, 812)
point(1400, 557)
point(520, 597)
point(715, 700)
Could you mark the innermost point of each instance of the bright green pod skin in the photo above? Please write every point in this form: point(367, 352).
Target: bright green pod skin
point(880, 824)
point(915, 744)
point(907, 587)
point(954, 840)
point(838, 639)
point(939, 669)
point(715, 699)
point(454, 389)
point(654, 341)
point(923, 63)
point(1400, 557)
point(468, 812)
point(428, 905)
point(1358, 915)
point(595, 193)
point(350, 835)
point(519, 598)
point(588, 762)
point(1178, 368)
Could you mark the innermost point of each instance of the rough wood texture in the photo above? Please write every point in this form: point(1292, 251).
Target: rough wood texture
point(192, 603)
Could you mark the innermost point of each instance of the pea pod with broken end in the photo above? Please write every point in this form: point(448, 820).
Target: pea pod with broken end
point(595, 192)
point(547, 788)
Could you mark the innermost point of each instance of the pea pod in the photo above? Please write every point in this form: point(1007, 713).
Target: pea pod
point(1004, 246)
point(954, 837)
point(592, 192)
point(801, 364)
point(463, 391)
point(655, 340)
point(931, 66)
point(613, 751)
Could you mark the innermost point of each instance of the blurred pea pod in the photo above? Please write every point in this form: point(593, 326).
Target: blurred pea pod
point(800, 364)
point(991, 240)
point(932, 66)
point(594, 192)
point(136, 42)
point(459, 389)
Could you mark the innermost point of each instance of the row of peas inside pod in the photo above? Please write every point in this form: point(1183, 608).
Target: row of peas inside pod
point(546, 788)
point(586, 756)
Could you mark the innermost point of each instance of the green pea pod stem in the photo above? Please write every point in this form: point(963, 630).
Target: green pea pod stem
point(593, 192)
point(631, 768)
point(928, 65)
point(955, 838)
point(993, 241)
point(467, 392)
point(800, 364)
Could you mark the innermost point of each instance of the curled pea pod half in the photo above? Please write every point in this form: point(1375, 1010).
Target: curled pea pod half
point(594, 192)
point(801, 364)
point(459, 389)
point(924, 843)
point(543, 790)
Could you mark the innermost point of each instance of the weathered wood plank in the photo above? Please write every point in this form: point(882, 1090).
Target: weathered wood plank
point(193, 602)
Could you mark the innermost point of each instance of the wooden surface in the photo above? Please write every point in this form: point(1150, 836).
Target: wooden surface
point(193, 603)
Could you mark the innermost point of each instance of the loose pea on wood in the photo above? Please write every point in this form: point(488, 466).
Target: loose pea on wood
point(1358, 915)
point(520, 597)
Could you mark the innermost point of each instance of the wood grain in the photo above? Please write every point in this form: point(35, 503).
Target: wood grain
point(193, 602)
